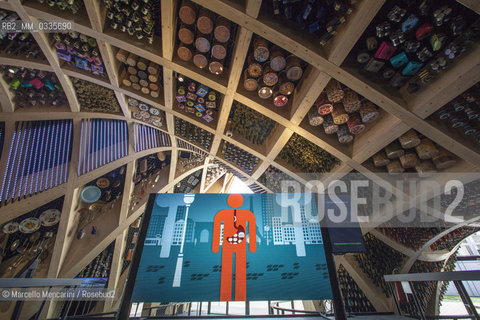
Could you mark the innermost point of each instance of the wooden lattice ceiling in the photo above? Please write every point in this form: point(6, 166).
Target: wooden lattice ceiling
point(401, 110)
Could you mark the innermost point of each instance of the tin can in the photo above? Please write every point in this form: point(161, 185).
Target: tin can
point(343, 135)
point(368, 112)
point(328, 125)
point(222, 29)
point(270, 77)
point(323, 104)
point(351, 102)
point(279, 99)
point(286, 86)
point(249, 83)
point(277, 59)
point(314, 118)
point(355, 124)
point(294, 68)
point(339, 115)
point(260, 49)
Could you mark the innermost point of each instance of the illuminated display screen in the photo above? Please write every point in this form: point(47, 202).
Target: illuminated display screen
point(232, 248)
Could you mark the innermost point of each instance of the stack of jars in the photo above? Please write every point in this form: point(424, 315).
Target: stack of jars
point(341, 111)
point(272, 72)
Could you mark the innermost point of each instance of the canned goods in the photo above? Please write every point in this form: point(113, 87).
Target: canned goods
point(219, 51)
point(314, 118)
point(222, 29)
point(343, 134)
point(200, 60)
point(286, 86)
point(264, 91)
point(202, 44)
point(254, 68)
point(260, 49)
point(270, 77)
point(368, 112)
point(351, 102)
point(277, 59)
point(279, 100)
point(328, 125)
point(355, 125)
point(339, 114)
point(294, 68)
point(250, 84)
point(334, 91)
point(324, 106)
point(205, 21)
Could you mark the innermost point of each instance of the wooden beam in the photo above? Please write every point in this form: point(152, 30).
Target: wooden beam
point(6, 97)
point(116, 266)
point(127, 191)
point(169, 23)
point(313, 83)
point(471, 4)
point(347, 36)
point(252, 7)
point(44, 45)
point(25, 63)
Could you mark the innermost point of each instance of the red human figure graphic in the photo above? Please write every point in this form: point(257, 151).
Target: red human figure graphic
point(234, 242)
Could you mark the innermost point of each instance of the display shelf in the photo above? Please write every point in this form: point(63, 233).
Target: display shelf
point(37, 231)
point(45, 12)
point(238, 157)
point(251, 128)
point(269, 79)
point(416, 53)
point(187, 161)
point(147, 114)
point(401, 110)
point(193, 134)
point(30, 88)
point(79, 52)
point(204, 41)
point(273, 177)
point(190, 103)
point(189, 183)
point(310, 160)
point(95, 98)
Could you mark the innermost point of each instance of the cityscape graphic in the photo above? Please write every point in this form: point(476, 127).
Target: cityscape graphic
point(178, 265)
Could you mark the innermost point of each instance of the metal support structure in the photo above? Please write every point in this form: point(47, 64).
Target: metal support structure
point(466, 299)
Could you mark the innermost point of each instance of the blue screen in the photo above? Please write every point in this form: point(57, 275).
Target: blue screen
point(179, 264)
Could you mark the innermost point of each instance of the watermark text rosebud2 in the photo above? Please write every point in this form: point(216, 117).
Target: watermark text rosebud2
point(407, 201)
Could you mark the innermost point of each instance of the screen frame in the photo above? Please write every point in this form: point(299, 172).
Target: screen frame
point(125, 306)
point(124, 312)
